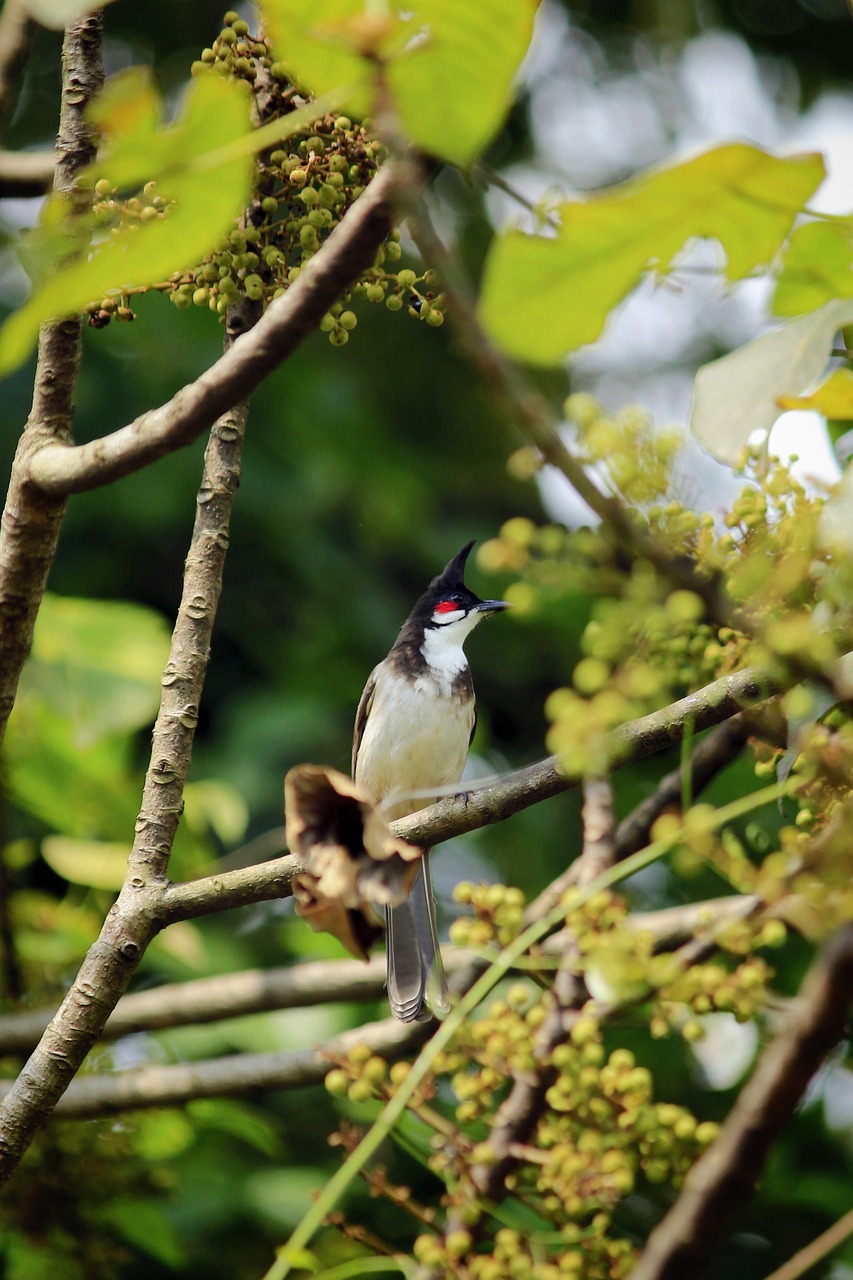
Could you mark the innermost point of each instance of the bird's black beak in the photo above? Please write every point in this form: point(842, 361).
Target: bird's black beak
point(492, 606)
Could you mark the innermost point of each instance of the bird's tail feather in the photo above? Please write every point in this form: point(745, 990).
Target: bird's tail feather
point(415, 973)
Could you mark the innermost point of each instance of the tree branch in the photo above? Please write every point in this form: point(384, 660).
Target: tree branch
point(635, 740)
point(230, 995)
point(711, 755)
point(59, 470)
point(470, 810)
point(725, 1176)
point(169, 1086)
point(31, 519)
point(25, 173)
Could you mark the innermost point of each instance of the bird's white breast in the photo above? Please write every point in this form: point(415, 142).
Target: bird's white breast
point(417, 732)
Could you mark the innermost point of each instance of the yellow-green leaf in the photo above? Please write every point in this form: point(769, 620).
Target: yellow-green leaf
point(449, 64)
point(207, 196)
point(833, 398)
point(452, 88)
point(543, 297)
point(817, 267)
point(321, 46)
point(94, 863)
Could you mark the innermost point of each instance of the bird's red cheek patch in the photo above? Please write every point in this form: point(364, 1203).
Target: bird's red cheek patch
point(447, 606)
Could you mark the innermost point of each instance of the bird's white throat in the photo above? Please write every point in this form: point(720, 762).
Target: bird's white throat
point(442, 647)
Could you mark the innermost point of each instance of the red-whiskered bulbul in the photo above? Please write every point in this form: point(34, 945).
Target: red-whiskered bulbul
point(414, 724)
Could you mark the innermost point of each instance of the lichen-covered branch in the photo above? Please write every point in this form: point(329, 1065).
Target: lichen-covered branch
point(31, 518)
point(59, 469)
point(724, 1178)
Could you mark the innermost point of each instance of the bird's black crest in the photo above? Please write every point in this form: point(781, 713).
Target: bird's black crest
point(450, 581)
point(452, 576)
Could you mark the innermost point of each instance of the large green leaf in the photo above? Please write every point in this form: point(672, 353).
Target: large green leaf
point(741, 392)
point(192, 166)
point(544, 297)
point(97, 664)
point(452, 88)
point(449, 64)
point(817, 267)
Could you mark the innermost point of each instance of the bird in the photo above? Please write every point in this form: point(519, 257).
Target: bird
point(414, 725)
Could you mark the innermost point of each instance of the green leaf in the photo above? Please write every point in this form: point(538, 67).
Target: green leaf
point(213, 805)
point(453, 88)
point(320, 46)
point(94, 863)
point(145, 1225)
point(192, 166)
point(817, 267)
point(543, 297)
point(740, 393)
point(97, 664)
point(449, 64)
point(92, 679)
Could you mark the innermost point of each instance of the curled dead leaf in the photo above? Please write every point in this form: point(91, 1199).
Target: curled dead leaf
point(354, 863)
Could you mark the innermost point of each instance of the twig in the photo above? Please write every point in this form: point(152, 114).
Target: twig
point(25, 173)
point(806, 1258)
point(228, 995)
point(725, 1176)
point(168, 1086)
point(31, 519)
point(532, 414)
point(519, 1114)
point(59, 470)
point(711, 755)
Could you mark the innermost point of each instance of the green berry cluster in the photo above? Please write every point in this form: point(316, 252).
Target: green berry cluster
point(362, 1075)
point(498, 911)
point(601, 1133)
point(303, 189)
point(711, 988)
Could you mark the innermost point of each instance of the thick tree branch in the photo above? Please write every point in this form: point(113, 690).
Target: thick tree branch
point(59, 470)
point(725, 1176)
point(169, 1086)
point(31, 519)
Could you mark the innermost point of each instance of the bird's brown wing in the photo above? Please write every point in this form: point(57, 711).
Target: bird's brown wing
point(361, 715)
